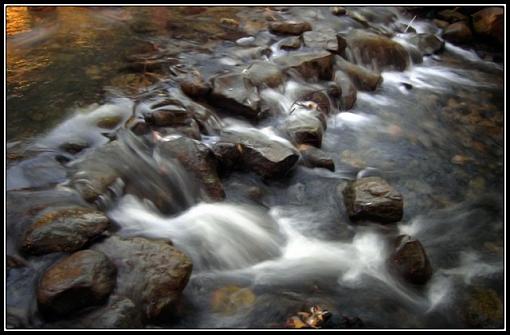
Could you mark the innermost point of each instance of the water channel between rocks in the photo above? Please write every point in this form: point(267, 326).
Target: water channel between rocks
point(209, 153)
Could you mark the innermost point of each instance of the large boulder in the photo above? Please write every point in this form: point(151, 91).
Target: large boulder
point(63, 230)
point(372, 198)
point(490, 22)
point(376, 51)
point(260, 153)
point(364, 79)
point(313, 157)
point(86, 278)
point(151, 273)
point(310, 64)
point(321, 39)
point(427, 44)
point(197, 158)
point(289, 27)
point(235, 93)
point(458, 32)
point(263, 74)
point(409, 260)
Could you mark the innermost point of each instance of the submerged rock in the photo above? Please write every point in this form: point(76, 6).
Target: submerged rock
point(372, 198)
point(376, 51)
point(364, 79)
point(410, 261)
point(490, 22)
point(85, 278)
point(289, 27)
point(197, 158)
point(310, 64)
point(231, 299)
point(151, 273)
point(313, 157)
point(235, 93)
point(261, 154)
point(63, 230)
point(120, 312)
point(458, 32)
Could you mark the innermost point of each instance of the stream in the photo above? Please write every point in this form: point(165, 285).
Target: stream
point(263, 248)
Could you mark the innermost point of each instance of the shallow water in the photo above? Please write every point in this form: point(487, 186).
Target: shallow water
point(440, 143)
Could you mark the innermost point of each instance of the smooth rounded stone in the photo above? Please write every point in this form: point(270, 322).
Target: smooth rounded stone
point(313, 157)
point(289, 27)
point(263, 74)
point(291, 42)
point(194, 85)
point(427, 44)
point(451, 15)
point(409, 260)
point(197, 158)
point(376, 51)
point(490, 22)
point(372, 198)
point(310, 64)
point(85, 278)
point(262, 154)
point(151, 273)
point(338, 11)
point(321, 39)
point(304, 127)
point(348, 89)
point(235, 93)
point(63, 230)
point(91, 176)
point(364, 79)
point(441, 23)
point(168, 115)
point(246, 41)
point(458, 32)
point(74, 146)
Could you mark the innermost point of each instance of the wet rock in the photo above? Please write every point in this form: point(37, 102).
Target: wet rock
point(228, 156)
point(304, 127)
point(246, 41)
point(372, 198)
point(85, 278)
point(253, 53)
point(427, 44)
point(120, 312)
point(191, 130)
point(14, 261)
point(74, 146)
point(292, 42)
point(321, 39)
point(376, 51)
point(313, 157)
point(321, 99)
point(92, 176)
point(489, 22)
point(289, 27)
point(151, 273)
point(194, 85)
point(410, 261)
point(235, 93)
point(364, 79)
point(441, 23)
point(451, 15)
point(109, 121)
point(197, 158)
point(458, 32)
point(338, 11)
point(137, 125)
point(482, 308)
point(261, 154)
point(63, 230)
point(310, 64)
point(349, 91)
point(263, 74)
point(231, 299)
point(170, 115)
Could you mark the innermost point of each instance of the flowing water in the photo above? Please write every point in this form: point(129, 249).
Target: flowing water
point(434, 132)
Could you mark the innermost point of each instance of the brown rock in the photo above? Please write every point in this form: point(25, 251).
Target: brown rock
point(310, 64)
point(313, 157)
point(321, 39)
point(289, 27)
point(364, 79)
point(410, 261)
point(347, 88)
point(451, 15)
point(490, 22)
point(85, 278)
point(458, 32)
point(63, 230)
point(292, 42)
point(194, 85)
point(263, 74)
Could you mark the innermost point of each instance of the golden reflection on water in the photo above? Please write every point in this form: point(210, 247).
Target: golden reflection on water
point(17, 20)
